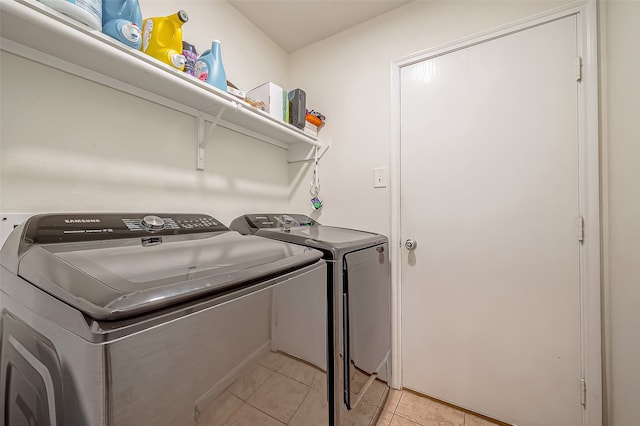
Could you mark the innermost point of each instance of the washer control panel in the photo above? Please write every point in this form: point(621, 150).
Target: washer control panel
point(153, 222)
point(74, 227)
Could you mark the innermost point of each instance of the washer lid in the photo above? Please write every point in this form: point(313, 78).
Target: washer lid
point(325, 237)
point(116, 278)
point(301, 229)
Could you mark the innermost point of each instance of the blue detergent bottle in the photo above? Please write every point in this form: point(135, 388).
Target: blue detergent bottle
point(122, 20)
point(209, 67)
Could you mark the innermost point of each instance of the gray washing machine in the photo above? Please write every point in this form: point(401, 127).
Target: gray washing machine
point(164, 319)
point(359, 308)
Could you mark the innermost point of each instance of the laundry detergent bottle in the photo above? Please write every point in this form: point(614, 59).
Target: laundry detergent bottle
point(162, 38)
point(89, 12)
point(209, 67)
point(122, 20)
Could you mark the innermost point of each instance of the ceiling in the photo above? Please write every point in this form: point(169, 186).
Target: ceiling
point(294, 24)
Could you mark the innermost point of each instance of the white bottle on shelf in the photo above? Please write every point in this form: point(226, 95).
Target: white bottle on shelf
point(89, 12)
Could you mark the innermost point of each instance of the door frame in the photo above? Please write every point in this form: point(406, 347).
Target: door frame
point(588, 177)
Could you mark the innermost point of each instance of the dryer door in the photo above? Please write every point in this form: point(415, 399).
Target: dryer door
point(367, 324)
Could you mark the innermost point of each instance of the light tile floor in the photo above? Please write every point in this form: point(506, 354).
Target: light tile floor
point(406, 408)
point(278, 390)
point(281, 390)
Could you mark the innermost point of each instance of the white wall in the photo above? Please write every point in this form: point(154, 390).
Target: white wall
point(621, 187)
point(348, 78)
point(70, 144)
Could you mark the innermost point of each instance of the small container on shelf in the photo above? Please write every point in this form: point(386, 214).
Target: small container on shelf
point(191, 56)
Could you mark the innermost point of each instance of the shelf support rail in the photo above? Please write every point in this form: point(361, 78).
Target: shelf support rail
point(203, 137)
point(302, 152)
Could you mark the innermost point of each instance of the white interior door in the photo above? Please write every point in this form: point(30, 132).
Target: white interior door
point(490, 192)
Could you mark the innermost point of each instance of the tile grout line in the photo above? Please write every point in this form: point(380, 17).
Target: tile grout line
point(395, 407)
point(259, 386)
point(465, 412)
point(265, 413)
point(398, 403)
point(301, 404)
point(413, 421)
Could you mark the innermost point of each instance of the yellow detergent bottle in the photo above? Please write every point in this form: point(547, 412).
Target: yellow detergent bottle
point(162, 38)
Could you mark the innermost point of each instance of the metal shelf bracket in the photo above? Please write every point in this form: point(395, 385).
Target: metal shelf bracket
point(303, 152)
point(203, 136)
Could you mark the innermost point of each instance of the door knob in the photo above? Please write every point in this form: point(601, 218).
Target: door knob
point(411, 244)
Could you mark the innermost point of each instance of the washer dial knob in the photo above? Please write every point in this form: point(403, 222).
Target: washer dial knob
point(152, 222)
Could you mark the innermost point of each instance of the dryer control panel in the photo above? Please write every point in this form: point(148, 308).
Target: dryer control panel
point(251, 223)
point(280, 220)
point(75, 227)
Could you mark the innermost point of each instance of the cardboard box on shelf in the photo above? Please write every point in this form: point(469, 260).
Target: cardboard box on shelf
point(271, 95)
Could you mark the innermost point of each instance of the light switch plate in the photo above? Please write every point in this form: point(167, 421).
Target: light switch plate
point(380, 177)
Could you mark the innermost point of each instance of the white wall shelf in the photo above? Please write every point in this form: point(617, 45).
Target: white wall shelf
point(34, 31)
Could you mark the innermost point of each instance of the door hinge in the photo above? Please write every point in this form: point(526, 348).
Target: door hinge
point(578, 68)
point(580, 228)
point(583, 392)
